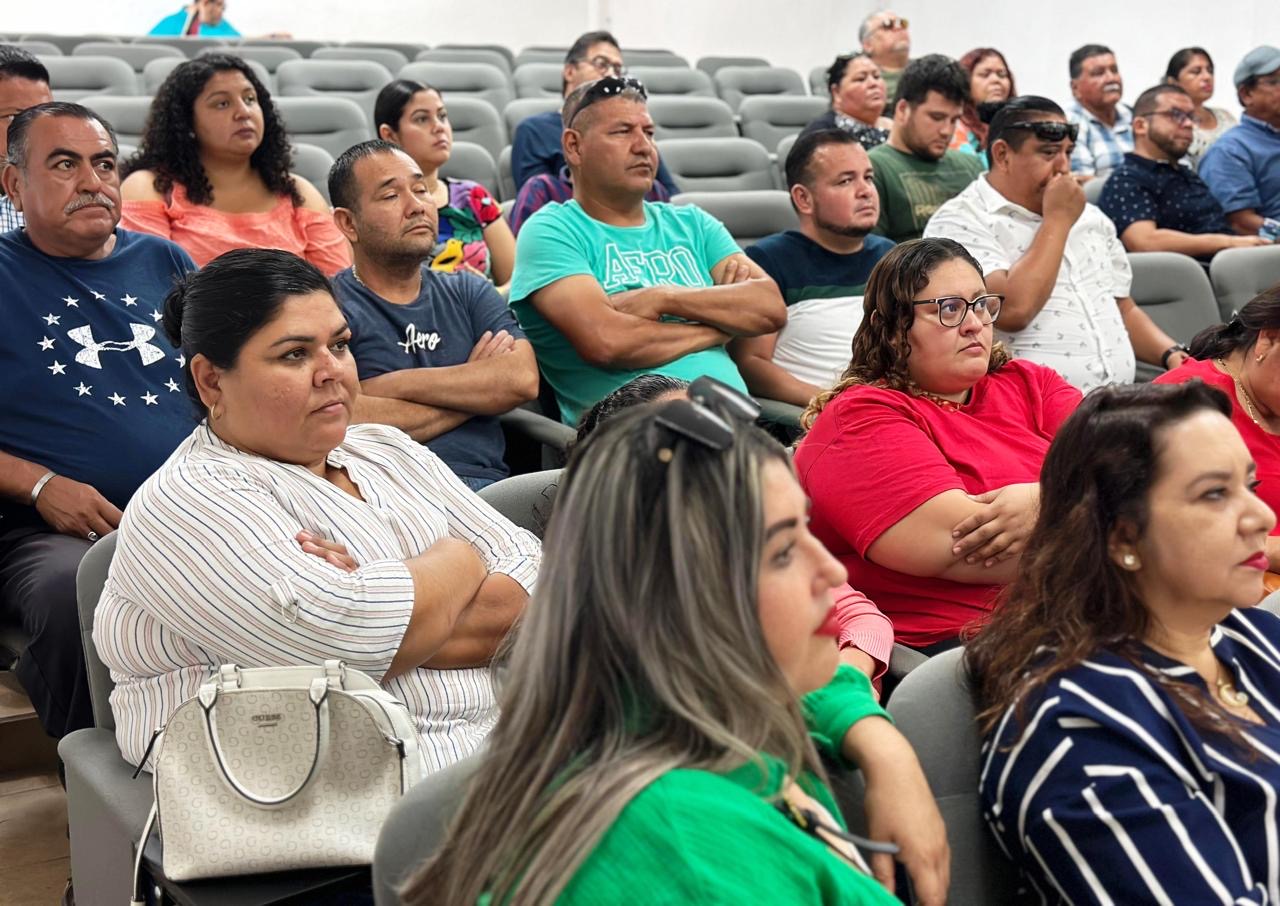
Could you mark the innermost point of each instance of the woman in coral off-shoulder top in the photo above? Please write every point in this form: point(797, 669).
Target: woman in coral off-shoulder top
point(212, 173)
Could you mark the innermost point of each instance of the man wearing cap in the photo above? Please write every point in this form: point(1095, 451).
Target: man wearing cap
point(1243, 167)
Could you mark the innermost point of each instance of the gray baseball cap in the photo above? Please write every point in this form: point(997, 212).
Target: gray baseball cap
point(1259, 61)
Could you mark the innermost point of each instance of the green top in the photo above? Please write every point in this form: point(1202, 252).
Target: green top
point(911, 189)
point(696, 837)
point(676, 246)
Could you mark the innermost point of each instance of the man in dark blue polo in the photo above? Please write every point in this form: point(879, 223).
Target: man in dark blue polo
point(1158, 203)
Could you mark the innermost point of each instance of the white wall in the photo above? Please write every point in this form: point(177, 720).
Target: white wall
point(1036, 38)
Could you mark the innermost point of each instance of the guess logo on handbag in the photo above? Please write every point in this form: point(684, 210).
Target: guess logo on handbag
point(265, 720)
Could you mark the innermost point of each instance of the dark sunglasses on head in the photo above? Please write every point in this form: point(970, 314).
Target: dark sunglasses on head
point(707, 418)
point(893, 23)
point(608, 87)
point(1049, 130)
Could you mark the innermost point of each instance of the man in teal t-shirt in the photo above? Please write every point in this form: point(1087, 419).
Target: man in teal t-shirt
point(201, 19)
point(608, 286)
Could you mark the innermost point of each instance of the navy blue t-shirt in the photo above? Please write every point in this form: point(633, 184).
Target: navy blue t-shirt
point(89, 386)
point(1171, 195)
point(438, 328)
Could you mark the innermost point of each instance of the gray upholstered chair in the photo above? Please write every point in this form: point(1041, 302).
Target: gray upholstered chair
point(538, 80)
point(407, 49)
point(136, 55)
point(503, 50)
point(523, 107)
point(392, 60)
point(1093, 189)
point(718, 164)
point(268, 55)
point(506, 181)
point(1175, 292)
point(313, 163)
point(770, 118)
point(76, 78)
point(671, 80)
point(554, 55)
point(476, 121)
point(748, 215)
point(737, 82)
point(691, 117)
point(356, 80)
point(127, 115)
point(1240, 274)
point(459, 80)
point(465, 55)
point(155, 72)
point(525, 499)
point(471, 161)
point(334, 124)
point(710, 65)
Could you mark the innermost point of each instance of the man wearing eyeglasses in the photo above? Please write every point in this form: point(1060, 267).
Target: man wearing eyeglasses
point(535, 147)
point(24, 82)
point(886, 39)
point(1106, 125)
point(1243, 167)
point(1157, 203)
point(1056, 259)
point(608, 286)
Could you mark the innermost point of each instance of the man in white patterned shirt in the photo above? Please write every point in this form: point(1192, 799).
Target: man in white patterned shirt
point(1056, 259)
point(24, 82)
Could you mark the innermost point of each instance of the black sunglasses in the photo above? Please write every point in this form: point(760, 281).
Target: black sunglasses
point(706, 418)
point(1049, 130)
point(603, 89)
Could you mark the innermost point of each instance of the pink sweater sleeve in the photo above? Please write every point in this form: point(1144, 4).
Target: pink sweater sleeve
point(326, 248)
point(146, 217)
point(863, 626)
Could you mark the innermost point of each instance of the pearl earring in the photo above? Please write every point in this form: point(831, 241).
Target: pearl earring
point(1130, 561)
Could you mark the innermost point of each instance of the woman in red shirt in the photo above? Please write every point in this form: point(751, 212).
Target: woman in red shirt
point(923, 461)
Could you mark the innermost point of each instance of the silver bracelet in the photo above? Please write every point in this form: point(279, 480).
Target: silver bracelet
point(40, 483)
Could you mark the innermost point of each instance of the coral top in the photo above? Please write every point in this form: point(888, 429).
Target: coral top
point(206, 233)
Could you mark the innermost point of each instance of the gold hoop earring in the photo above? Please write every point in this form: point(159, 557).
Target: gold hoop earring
point(215, 413)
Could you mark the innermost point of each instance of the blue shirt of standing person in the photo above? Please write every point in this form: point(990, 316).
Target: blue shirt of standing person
point(201, 19)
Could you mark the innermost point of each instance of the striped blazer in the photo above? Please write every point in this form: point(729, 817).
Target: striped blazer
point(207, 571)
point(1108, 794)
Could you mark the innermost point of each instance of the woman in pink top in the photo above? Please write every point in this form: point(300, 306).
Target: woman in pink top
point(212, 173)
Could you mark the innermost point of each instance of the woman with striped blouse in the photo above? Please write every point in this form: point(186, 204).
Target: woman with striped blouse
point(278, 533)
point(1130, 692)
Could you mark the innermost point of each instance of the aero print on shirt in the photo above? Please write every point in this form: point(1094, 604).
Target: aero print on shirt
point(633, 269)
point(416, 339)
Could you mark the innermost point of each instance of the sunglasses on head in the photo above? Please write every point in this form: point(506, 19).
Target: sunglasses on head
point(893, 23)
point(1049, 130)
point(707, 417)
point(605, 88)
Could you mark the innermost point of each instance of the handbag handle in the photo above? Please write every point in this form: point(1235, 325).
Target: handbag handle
point(318, 694)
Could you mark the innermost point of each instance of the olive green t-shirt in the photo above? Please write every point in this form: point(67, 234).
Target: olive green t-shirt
point(911, 189)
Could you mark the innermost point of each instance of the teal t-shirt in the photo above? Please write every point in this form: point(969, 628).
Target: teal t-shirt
point(173, 25)
point(677, 246)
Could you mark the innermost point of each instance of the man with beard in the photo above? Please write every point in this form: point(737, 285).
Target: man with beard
point(914, 171)
point(1157, 203)
point(439, 356)
point(821, 270)
point(91, 399)
point(1056, 259)
point(1106, 125)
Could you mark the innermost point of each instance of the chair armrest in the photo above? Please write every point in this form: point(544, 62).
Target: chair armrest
point(538, 428)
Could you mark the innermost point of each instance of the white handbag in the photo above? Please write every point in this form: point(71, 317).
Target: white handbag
point(277, 768)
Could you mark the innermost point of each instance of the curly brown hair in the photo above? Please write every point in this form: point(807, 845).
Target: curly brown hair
point(880, 346)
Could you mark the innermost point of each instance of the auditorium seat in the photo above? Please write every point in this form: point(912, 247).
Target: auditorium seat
point(155, 72)
point(718, 164)
point(65, 43)
point(356, 80)
point(409, 49)
point(737, 82)
point(127, 115)
point(475, 121)
point(473, 162)
point(710, 65)
point(496, 48)
point(1093, 189)
point(784, 149)
point(465, 55)
point(670, 80)
point(383, 56)
point(818, 81)
point(40, 48)
point(334, 124)
point(1240, 274)
point(474, 80)
point(75, 78)
point(304, 48)
point(523, 107)
point(270, 57)
point(691, 117)
point(770, 118)
point(136, 55)
point(1177, 295)
point(536, 80)
point(749, 216)
point(527, 499)
point(188, 47)
point(640, 56)
point(313, 163)
point(540, 55)
point(507, 190)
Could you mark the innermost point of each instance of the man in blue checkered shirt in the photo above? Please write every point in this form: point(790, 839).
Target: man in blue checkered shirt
point(1106, 125)
point(24, 82)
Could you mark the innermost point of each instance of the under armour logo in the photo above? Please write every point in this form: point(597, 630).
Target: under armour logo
point(141, 334)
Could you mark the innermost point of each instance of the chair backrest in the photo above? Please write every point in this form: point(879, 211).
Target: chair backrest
point(521, 108)
point(709, 65)
point(465, 55)
point(525, 499)
point(691, 117)
point(127, 115)
point(1271, 603)
point(538, 80)
point(718, 164)
point(771, 118)
point(90, 577)
point(473, 162)
point(304, 48)
point(409, 49)
point(334, 124)
point(474, 120)
point(818, 81)
point(65, 43)
point(784, 151)
point(39, 48)
point(356, 80)
point(737, 82)
point(500, 49)
point(748, 216)
point(554, 55)
point(383, 56)
point(270, 57)
point(1240, 274)
point(1093, 189)
point(313, 163)
point(653, 58)
point(74, 78)
point(416, 827)
point(155, 72)
point(136, 55)
point(455, 80)
point(670, 80)
point(1174, 291)
point(933, 707)
point(507, 190)
point(188, 47)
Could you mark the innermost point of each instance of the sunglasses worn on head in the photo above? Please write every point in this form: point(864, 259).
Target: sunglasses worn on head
point(707, 418)
point(891, 24)
point(603, 89)
point(1049, 130)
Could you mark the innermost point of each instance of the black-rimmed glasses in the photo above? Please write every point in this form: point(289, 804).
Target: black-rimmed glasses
point(605, 66)
point(603, 89)
point(952, 310)
point(1049, 130)
point(1179, 117)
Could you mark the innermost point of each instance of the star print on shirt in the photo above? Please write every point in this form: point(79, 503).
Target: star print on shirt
point(57, 367)
point(181, 360)
point(156, 316)
point(45, 343)
point(117, 399)
point(149, 399)
point(51, 320)
point(101, 297)
point(82, 390)
point(129, 300)
point(172, 385)
point(71, 302)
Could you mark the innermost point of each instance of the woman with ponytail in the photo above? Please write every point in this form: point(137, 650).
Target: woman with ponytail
point(1242, 359)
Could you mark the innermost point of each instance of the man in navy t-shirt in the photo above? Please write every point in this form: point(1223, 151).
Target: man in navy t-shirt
point(439, 356)
point(821, 270)
point(90, 396)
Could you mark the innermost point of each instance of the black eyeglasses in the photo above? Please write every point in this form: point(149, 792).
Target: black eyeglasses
point(952, 310)
point(603, 89)
point(706, 418)
point(1049, 130)
point(1179, 117)
point(604, 65)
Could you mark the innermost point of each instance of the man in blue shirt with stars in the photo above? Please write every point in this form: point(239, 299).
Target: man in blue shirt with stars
point(90, 399)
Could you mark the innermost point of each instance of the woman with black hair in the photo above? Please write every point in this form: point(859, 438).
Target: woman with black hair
point(212, 173)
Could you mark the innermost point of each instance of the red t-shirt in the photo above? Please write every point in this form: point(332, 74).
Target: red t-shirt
point(875, 455)
point(1264, 447)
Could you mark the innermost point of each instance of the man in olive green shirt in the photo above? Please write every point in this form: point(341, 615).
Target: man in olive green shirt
point(914, 172)
point(886, 39)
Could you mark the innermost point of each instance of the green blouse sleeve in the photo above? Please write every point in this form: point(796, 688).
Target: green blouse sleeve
point(837, 706)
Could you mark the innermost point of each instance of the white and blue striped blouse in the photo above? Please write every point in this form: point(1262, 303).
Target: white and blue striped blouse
point(207, 571)
point(1110, 795)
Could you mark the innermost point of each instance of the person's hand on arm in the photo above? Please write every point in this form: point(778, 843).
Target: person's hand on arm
point(69, 507)
point(1246, 222)
point(1144, 236)
point(764, 378)
point(999, 529)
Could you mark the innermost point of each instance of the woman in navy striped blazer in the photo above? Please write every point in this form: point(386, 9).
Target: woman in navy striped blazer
point(1130, 693)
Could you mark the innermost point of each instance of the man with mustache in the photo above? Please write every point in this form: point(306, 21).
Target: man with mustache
point(1056, 259)
point(1106, 125)
point(439, 356)
point(821, 269)
point(90, 392)
point(609, 286)
point(24, 82)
